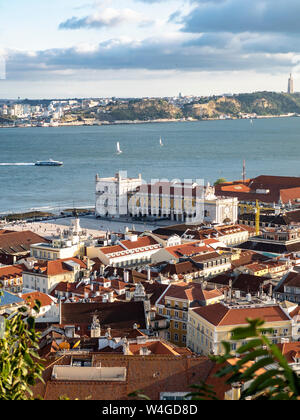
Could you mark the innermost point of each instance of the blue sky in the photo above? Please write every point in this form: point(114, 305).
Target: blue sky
point(83, 48)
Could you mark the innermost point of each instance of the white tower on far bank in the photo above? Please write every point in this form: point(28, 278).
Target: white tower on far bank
point(291, 85)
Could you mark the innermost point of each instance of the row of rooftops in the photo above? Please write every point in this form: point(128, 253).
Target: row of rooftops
point(265, 188)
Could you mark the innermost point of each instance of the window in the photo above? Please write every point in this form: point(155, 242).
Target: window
point(176, 326)
point(173, 396)
point(82, 362)
point(176, 337)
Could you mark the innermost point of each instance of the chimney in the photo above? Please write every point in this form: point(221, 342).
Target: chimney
point(108, 334)
point(236, 391)
point(230, 290)
point(126, 350)
point(88, 263)
point(271, 290)
point(102, 270)
point(126, 276)
point(95, 328)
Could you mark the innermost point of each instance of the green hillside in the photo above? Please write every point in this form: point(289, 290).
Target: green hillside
point(260, 103)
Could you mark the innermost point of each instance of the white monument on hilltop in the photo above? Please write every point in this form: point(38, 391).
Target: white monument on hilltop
point(291, 85)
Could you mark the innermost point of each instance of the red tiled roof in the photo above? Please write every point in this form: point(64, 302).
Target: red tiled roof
point(191, 292)
point(142, 242)
point(11, 271)
point(220, 315)
point(54, 268)
point(292, 278)
point(290, 350)
point(192, 248)
point(156, 347)
point(118, 315)
point(31, 297)
point(280, 187)
point(150, 374)
point(19, 242)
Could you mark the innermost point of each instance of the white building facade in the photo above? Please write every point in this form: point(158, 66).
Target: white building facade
point(112, 194)
point(182, 202)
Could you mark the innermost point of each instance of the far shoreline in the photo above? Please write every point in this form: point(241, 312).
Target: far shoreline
point(136, 122)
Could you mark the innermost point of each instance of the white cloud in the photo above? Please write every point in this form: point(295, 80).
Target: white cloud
point(108, 17)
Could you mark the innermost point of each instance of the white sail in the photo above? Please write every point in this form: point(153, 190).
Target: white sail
point(119, 151)
point(161, 142)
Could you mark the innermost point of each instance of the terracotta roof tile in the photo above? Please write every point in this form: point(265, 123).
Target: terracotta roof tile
point(31, 297)
point(19, 242)
point(118, 315)
point(220, 315)
point(150, 374)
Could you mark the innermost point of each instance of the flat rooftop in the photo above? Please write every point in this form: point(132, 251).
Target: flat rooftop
point(75, 373)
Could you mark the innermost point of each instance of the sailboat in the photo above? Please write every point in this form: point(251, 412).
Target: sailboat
point(161, 142)
point(119, 151)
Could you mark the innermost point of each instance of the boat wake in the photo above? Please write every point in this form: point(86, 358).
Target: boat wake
point(17, 164)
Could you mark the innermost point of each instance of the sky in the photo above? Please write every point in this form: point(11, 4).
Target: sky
point(137, 48)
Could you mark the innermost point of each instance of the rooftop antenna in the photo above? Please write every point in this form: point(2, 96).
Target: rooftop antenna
point(244, 171)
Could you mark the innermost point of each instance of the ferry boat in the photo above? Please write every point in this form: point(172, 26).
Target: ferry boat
point(49, 162)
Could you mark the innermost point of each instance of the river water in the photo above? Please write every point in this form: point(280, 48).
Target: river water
point(192, 150)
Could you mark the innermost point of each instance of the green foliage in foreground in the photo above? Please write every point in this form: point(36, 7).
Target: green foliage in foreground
point(261, 366)
point(20, 365)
